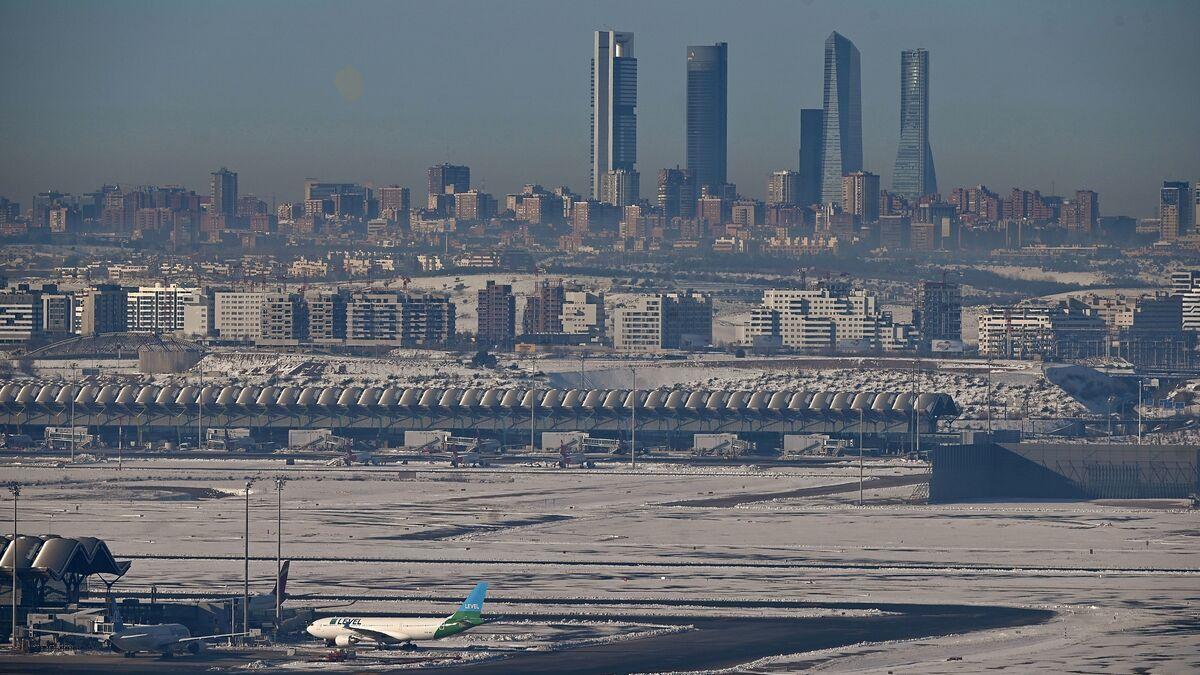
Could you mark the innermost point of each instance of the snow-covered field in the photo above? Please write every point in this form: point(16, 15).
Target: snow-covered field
point(1123, 578)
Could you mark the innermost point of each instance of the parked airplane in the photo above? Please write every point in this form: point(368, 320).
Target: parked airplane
point(262, 605)
point(346, 631)
point(166, 638)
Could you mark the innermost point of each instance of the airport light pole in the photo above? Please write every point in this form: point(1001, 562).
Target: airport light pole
point(246, 568)
point(633, 421)
point(279, 482)
point(860, 456)
point(74, 393)
point(15, 489)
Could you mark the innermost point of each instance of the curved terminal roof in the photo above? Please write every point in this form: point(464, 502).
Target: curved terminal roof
point(54, 557)
point(52, 397)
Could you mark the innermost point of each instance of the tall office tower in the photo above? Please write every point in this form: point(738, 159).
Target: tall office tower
point(676, 193)
point(497, 315)
point(447, 179)
point(614, 97)
point(841, 146)
point(707, 113)
point(812, 125)
point(620, 187)
point(914, 175)
point(783, 188)
point(1174, 209)
point(860, 195)
point(223, 188)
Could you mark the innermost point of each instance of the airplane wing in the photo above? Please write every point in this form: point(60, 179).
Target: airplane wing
point(214, 637)
point(378, 636)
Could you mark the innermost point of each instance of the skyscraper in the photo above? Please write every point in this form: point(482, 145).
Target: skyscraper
point(783, 188)
point(497, 316)
point(676, 193)
point(841, 146)
point(812, 125)
point(707, 113)
point(223, 190)
point(860, 195)
point(914, 175)
point(1174, 209)
point(447, 178)
point(620, 188)
point(614, 97)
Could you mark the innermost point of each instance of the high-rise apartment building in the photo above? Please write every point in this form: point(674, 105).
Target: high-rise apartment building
point(614, 99)
point(620, 187)
point(783, 188)
point(159, 309)
point(394, 197)
point(223, 191)
point(860, 195)
point(103, 309)
point(914, 175)
point(676, 193)
point(841, 146)
point(497, 312)
point(1174, 209)
point(707, 112)
point(938, 311)
point(544, 308)
point(652, 323)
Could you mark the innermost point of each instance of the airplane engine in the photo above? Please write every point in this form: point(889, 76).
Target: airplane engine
point(345, 641)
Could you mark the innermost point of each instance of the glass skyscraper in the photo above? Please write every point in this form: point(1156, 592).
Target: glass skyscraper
point(914, 175)
point(614, 97)
point(811, 132)
point(842, 142)
point(707, 110)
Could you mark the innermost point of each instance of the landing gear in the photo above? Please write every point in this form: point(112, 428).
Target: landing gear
point(408, 647)
point(330, 642)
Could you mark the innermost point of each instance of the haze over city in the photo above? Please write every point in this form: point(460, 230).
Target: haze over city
point(481, 337)
point(1062, 95)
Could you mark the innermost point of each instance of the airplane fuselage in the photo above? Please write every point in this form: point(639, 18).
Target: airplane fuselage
point(379, 630)
point(159, 638)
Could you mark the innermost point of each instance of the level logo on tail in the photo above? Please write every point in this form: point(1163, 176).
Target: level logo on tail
point(469, 614)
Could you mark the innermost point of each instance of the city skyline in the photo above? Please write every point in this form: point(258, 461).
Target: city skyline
point(316, 122)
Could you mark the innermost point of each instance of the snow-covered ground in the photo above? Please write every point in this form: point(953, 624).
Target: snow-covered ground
point(1123, 578)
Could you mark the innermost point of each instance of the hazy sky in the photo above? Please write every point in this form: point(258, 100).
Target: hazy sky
point(1053, 95)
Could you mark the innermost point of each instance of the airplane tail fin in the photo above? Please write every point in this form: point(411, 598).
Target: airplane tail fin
point(280, 588)
point(472, 607)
